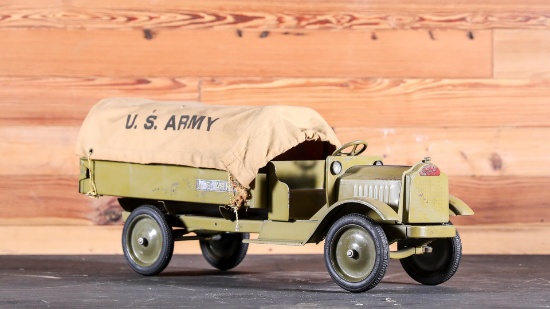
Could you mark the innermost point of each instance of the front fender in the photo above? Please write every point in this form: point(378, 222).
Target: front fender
point(375, 209)
point(380, 210)
point(458, 208)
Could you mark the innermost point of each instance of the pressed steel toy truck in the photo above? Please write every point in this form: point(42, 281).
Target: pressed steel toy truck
point(357, 205)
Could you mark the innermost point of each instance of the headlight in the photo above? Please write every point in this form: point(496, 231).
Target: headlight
point(336, 168)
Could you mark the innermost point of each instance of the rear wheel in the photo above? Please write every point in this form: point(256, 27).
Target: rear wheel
point(224, 251)
point(356, 253)
point(436, 267)
point(147, 241)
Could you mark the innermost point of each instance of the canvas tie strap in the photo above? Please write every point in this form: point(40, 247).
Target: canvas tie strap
point(237, 197)
point(93, 192)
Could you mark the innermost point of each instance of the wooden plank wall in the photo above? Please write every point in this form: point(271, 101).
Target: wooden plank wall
point(465, 82)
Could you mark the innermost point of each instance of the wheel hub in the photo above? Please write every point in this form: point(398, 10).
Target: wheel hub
point(143, 241)
point(352, 254)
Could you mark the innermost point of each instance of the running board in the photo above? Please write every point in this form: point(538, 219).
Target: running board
point(272, 242)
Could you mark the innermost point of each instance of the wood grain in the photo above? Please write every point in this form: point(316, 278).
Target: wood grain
point(38, 150)
point(391, 103)
point(460, 151)
point(484, 239)
point(286, 14)
point(58, 52)
point(505, 239)
point(465, 82)
point(344, 102)
point(497, 200)
point(46, 200)
point(522, 54)
point(60, 101)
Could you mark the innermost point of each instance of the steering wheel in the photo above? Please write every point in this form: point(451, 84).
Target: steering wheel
point(354, 151)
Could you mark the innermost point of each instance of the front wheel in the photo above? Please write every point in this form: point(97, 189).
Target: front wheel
point(224, 251)
point(356, 253)
point(436, 267)
point(147, 241)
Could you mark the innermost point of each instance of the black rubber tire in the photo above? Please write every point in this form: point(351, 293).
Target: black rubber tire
point(153, 254)
point(225, 253)
point(436, 267)
point(368, 249)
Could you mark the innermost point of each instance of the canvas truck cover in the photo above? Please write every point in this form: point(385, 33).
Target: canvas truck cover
point(238, 139)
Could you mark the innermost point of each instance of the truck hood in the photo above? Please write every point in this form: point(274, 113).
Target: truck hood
point(379, 182)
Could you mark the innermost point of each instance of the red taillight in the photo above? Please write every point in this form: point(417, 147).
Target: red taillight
point(430, 170)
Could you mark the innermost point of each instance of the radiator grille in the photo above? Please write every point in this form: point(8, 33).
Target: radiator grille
point(428, 199)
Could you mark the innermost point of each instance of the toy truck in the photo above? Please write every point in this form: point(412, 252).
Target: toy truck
point(309, 191)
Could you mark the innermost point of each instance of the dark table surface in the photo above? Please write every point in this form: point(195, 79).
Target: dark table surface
point(263, 281)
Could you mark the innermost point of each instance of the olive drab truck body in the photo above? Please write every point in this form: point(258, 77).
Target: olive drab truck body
point(293, 193)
